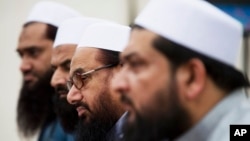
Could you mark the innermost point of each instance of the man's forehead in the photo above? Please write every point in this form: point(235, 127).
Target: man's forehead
point(128, 52)
point(85, 55)
point(34, 30)
point(140, 44)
point(59, 59)
point(33, 37)
point(65, 47)
point(83, 58)
point(62, 52)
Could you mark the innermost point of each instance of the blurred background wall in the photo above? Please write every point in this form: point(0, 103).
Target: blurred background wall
point(12, 15)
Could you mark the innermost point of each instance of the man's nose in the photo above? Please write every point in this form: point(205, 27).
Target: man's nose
point(119, 82)
point(58, 78)
point(26, 65)
point(74, 96)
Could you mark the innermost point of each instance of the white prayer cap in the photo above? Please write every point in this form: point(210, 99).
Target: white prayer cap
point(109, 36)
point(71, 30)
point(51, 13)
point(195, 24)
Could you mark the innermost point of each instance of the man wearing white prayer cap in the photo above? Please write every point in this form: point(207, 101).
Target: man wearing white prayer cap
point(68, 35)
point(35, 110)
point(178, 79)
point(93, 65)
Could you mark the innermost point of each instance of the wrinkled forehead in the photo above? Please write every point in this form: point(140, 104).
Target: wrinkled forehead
point(62, 53)
point(84, 59)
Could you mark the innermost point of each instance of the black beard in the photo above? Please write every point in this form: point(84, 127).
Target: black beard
point(66, 112)
point(35, 106)
point(101, 123)
point(168, 123)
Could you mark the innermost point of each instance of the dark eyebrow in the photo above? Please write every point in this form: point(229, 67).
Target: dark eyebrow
point(65, 62)
point(78, 70)
point(128, 56)
point(28, 48)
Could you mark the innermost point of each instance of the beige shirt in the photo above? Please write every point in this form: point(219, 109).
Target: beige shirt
point(234, 109)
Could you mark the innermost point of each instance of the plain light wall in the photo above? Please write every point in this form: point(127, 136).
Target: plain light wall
point(13, 14)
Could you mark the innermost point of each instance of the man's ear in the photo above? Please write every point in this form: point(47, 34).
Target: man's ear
point(191, 78)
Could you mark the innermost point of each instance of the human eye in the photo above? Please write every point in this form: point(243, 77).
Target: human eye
point(136, 64)
point(20, 54)
point(34, 52)
point(66, 67)
point(53, 68)
point(84, 77)
point(121, 64)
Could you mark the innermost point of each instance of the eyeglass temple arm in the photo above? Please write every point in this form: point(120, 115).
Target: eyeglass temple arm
point(107, 66)
point(88, 72)
point(98, 69)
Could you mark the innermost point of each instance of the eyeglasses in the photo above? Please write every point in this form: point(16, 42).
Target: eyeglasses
point(78, 79)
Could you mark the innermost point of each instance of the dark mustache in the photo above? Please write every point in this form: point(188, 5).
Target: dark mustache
point(81, 104)
point(61, 88)
point(29, 72)
point(125, 99)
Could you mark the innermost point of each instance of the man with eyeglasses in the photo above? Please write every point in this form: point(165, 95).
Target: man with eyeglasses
point(68, 35)
point(94, 64)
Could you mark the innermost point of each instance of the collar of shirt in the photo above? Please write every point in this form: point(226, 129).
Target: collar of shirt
point(203, 130)
point(116, 133)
